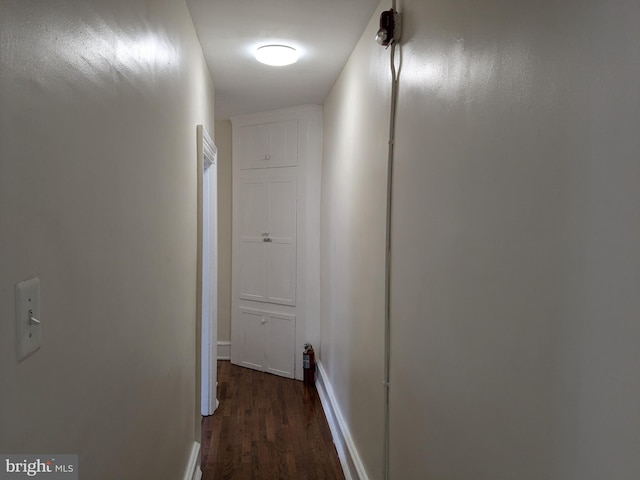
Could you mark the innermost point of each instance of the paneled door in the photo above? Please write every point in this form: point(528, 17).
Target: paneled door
point(267, 341)
point(269, 145)
point(268, 240)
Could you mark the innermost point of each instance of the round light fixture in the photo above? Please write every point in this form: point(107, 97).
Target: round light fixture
point(276, 55)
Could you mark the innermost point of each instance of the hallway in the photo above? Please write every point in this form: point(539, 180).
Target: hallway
point(266, 427)
point(479, 264)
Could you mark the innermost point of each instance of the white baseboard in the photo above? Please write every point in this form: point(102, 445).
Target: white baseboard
point(224, 350)
point(352, 465)
point(193, 472)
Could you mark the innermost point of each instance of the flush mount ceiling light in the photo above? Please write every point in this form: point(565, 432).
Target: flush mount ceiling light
point(276, 55)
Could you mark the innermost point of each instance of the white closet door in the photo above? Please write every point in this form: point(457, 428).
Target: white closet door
point(253, 327)
point(281, 255)
point(249, 147)
point(267, 342)
point(281, 335)
point(268, 145)
point(253, 227)
point(268, 241)
point(283, 144)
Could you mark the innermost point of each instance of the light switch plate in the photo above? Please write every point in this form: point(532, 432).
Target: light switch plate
point(28, 333)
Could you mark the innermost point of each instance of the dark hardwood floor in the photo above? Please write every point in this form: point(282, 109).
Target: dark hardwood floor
point(266, 427)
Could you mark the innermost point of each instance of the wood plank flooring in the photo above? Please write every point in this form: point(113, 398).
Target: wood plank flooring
point(266, 427)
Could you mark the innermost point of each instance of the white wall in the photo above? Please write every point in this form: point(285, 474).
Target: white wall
point(224, 144)
point(516, 242)
point(100, 102)
point(353, 243)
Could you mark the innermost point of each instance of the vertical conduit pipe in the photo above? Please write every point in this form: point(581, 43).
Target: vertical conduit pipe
point(387, 295)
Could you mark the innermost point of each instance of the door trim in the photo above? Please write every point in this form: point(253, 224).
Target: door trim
point(207, 153)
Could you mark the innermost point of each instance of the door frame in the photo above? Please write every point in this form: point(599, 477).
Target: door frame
point(208, 278)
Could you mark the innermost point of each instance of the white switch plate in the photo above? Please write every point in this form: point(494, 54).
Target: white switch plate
point(27, 303)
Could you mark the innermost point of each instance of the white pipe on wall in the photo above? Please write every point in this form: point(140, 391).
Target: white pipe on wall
point(387, 297)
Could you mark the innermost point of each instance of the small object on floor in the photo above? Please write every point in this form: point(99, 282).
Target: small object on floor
point(309, 364)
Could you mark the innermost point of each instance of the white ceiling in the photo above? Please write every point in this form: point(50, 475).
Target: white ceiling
point(324, 32)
